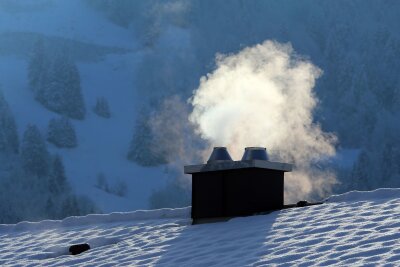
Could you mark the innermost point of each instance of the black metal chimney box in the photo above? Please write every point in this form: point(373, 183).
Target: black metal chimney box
point(223, 188)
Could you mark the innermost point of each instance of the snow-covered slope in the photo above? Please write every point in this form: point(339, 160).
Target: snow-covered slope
point(69, 19)
point(103, 143)
point(353, 229)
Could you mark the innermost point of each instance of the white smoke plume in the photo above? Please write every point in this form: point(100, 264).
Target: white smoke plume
point(263, 96)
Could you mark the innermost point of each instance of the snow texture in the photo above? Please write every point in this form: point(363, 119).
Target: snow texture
point(353, 229)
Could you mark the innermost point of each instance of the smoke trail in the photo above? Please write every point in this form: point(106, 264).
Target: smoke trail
point(263, 96)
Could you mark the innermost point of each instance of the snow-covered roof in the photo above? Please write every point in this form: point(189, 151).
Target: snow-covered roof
point(353, 229)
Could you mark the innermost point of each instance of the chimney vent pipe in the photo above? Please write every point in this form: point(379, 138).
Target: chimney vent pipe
point(219, 154)
point(255, 153)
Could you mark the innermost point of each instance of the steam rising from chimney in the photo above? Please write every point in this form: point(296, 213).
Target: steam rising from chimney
point(263, 96)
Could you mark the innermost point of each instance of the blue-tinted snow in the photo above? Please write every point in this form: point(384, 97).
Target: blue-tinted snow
point(364, 230)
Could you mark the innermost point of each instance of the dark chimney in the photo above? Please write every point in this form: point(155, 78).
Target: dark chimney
point(223, 188)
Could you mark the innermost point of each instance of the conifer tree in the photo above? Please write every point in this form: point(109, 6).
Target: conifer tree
point(61, 133)
point(74, 103)
point(70, 207)
point(62, 93)
point(56, 83)
point(57, 179)
point(34, 154)
point(51, 209)
point(58, 189)
point(9, 141)
point(102, 108)
point(360, 176)
point(143, 148)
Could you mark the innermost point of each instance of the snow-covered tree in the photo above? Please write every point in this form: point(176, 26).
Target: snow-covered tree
point(119, 188)
point(102, 108)
point(61, 133)
point(360, 175)
point(57, 179)
point(144, 149)
point(61, 200)
point(75, 205)
point(62, 93)
point(58, 189)
point(55, 81)
point(173, 195)
point(102, 183)
point(70, 207)
point(9, 141)
point(34, 154)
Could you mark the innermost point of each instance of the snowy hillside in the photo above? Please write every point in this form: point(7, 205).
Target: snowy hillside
point(103, 143)
point(353, 229)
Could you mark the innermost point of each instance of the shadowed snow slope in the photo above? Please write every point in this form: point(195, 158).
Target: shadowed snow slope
point(353, 229)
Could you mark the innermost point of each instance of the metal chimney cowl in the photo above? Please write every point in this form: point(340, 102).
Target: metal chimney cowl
point(255, 153)
point(219, 154)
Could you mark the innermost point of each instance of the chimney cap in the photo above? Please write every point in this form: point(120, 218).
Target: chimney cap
point(219, 153)
point(255, 153)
